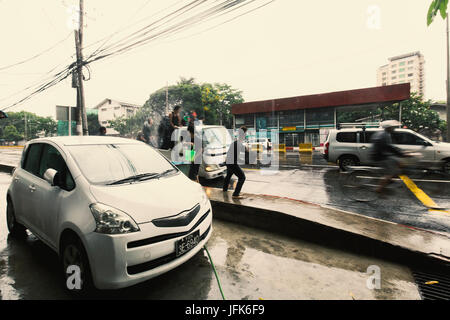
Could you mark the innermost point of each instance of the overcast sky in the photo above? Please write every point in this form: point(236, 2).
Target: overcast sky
point(287, 48)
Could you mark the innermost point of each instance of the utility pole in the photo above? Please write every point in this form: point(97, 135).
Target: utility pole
point(82, 128)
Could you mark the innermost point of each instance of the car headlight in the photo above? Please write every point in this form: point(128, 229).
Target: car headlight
point(111, 220)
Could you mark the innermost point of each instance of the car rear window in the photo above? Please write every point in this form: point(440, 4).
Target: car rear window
point(348, 137)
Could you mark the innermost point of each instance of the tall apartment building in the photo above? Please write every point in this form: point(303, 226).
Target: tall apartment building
point(403, 69)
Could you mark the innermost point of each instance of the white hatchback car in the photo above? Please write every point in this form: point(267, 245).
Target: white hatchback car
point(114, 207)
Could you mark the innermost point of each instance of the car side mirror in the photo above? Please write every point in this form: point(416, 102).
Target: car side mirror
point(50, 176)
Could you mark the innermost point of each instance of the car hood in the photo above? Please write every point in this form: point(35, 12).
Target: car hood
point(151, 199)
point(442, 146)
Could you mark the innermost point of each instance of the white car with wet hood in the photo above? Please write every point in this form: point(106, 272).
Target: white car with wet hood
point(114, 207)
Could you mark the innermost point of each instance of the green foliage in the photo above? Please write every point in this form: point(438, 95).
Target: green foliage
point(211, 101)
point(36, 125)
point(416, 115)
point(435, 7)
point(10, 133)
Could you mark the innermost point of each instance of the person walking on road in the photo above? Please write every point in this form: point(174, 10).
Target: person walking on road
point(233, 160)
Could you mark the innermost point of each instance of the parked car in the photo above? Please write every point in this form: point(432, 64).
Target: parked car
point(351, 146)
point(262, 143)
point(114, 207)
point(216, 141)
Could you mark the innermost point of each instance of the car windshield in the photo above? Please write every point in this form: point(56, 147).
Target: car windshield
point(217, 136)
point(112, 163)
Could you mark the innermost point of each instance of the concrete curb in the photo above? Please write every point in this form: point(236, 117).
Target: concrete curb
point(331, 227)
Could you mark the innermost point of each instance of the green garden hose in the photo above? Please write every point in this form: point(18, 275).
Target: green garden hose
point(215, 272)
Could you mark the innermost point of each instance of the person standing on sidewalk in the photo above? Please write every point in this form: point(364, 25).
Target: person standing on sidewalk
point(147, 132)
point(233, 160)
point(196, 152)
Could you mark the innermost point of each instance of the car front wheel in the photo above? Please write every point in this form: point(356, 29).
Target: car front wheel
point(14, 228)
point(75, 263)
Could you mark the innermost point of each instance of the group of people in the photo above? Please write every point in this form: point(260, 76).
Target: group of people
point(163, 140)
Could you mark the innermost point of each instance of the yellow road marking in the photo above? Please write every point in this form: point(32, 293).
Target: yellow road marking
point(422, 196)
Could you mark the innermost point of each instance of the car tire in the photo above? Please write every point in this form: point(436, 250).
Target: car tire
point(73, 253)
point(347, 161)
point(15, 229)
point(446, 167)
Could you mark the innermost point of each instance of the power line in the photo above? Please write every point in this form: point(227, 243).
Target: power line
point(36, 55)
point(144, 36)
point(161, 28)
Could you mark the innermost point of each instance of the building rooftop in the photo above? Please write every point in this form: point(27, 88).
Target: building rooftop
point(412, 54)
point(128, 104)
point(383, 94)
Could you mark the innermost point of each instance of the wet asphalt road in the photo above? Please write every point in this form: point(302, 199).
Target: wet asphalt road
point(309, 178)
point(251, 265)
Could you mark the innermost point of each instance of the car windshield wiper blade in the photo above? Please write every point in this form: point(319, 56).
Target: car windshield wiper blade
point(133, 178)
point(159, 175)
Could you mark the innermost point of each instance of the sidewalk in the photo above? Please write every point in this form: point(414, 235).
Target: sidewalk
point(330, 226)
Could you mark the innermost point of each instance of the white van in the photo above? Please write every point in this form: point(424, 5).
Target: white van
point(351, 146)
point(216, 141)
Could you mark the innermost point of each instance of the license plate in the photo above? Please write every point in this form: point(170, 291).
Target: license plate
point(187, 243)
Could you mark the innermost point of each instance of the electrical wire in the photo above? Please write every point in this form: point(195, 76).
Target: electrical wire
point(36, 55)
point(143, 36)
point(159, 29)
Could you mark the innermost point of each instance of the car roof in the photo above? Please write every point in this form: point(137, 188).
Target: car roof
point(85, 140)
point(367, 129)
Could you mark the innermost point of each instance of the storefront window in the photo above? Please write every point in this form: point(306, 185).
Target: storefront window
point(291, 118)
point(321, 116)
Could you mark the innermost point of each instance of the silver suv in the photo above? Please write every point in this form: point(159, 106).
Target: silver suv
point(351, 146)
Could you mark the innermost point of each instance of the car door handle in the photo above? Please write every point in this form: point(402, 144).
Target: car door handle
point(363, 147)
point(32, 188)
point(16, 179)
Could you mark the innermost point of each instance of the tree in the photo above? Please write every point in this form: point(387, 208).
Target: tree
point(211, 101)
point(416, 115)
point(10, 133)
point(36, 125)
point(435, 7)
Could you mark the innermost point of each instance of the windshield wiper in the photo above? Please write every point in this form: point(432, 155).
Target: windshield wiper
point(133, 178)
point(159, 175)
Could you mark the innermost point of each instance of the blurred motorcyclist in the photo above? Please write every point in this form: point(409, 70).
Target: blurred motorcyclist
point(385, 154)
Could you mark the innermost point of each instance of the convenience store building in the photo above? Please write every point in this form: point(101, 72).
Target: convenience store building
point(307, 119)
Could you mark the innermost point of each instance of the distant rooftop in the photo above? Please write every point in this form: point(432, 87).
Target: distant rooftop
point(128, 104)
point(407, 55)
